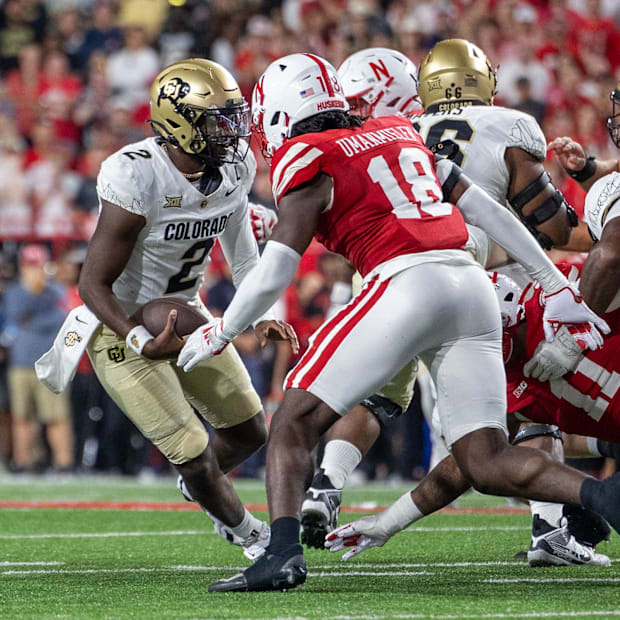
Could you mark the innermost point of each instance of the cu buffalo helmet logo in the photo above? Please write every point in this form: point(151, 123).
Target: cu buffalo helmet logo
point(71, 338)
point(174, 90)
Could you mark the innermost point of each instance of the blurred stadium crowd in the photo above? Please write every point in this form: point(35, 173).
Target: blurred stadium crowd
point(74, 81)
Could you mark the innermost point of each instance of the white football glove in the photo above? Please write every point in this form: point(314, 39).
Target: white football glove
point(202, 344)
point(263, 222)
point(551, 360)
point(362, 534)
point(567, 306)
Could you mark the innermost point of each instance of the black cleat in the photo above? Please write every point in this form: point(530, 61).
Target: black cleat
point(270, 573)
point(319, 511)
point(586, 526)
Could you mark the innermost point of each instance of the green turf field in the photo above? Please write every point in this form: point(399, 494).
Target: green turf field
point(87, 563)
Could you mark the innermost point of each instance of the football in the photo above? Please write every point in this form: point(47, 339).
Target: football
point(154, 315)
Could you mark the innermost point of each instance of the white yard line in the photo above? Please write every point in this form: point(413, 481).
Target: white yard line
point(32, 563)
point(355, 573)
point(93, 571)
point(104, 534)
point(500, 528)
point(533, 614)
point(413, 530)
point(555, 580)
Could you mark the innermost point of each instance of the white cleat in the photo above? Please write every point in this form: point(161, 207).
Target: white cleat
point(253, 546)
point(557, 547)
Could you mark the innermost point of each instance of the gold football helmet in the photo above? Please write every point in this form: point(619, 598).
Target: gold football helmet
point(197, 106)
point(455, 71)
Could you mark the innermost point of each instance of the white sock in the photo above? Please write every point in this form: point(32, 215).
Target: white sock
point(402, 513)
point(248, 524)
point(339, 460)
point(551, 513)
point(592, 445)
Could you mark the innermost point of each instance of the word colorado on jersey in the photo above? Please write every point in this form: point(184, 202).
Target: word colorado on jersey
point(369, 139)
point(196, 229)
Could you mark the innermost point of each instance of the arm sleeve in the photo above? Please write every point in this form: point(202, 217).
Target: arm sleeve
point(262, 287)
point(479, 209)
point(241, 251)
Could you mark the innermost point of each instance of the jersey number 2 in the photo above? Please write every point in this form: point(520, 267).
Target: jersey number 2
point(195, 255)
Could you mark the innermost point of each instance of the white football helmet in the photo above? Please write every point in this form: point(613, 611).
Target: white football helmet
point(511, 298)
point(380, 82)
point(293, 88)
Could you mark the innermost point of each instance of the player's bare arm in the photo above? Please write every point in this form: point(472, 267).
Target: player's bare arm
point(573, 158)
point(600, 279)
point(108, 252)
point(530, 188)
point(299, 211)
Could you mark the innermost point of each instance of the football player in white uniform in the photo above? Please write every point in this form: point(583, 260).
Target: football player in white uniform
point(600, 279)
point(163, 203)
point(503, 151)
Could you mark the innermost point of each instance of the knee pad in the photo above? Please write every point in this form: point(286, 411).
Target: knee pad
point(185, 444)
point(537, 430)
point(586, 526)
point(382, 408)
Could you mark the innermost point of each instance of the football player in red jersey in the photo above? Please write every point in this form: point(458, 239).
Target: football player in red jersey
point(586, 401)
point(372, 191)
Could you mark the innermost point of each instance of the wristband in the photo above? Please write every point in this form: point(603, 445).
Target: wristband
point(585, 173)
point(402, 513)
point(137, 338)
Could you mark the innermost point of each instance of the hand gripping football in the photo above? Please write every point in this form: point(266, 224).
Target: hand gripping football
point(154, 314)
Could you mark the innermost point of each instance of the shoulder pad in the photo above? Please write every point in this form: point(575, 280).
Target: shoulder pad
point(122, 181)
point(600, 199)
point(294, 163)
point(525, 133)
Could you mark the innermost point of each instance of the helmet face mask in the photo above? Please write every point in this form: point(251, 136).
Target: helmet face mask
point(510, 297)
point(196, 105)
point(454, 73)
point(613, 122)
point(359, 106)
point(379, 82)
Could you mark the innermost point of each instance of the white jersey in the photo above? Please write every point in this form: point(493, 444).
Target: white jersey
point(182, 224)
point(602, 203)
point(483, 133)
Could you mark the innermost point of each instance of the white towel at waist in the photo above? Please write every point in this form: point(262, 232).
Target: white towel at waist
point(56, 368)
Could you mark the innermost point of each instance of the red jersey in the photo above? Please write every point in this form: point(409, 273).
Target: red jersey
point(387, 200)
point(584, 402)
